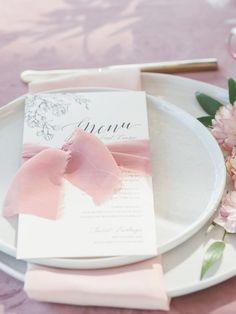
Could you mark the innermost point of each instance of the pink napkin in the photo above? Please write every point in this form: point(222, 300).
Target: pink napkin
point(140, 285)
point(121, 78)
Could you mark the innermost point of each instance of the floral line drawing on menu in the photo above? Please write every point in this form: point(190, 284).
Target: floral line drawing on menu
point(41, 111)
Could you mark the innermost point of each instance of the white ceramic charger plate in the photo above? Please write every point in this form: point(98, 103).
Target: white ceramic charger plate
point(189, 176)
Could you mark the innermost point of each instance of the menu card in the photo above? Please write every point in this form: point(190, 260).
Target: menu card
point(122, 225)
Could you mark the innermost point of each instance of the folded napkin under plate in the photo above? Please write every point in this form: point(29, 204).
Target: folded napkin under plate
point(119, 78)
point(139, 286)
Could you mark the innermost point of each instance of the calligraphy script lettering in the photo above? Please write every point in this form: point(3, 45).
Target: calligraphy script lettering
point(90, 127)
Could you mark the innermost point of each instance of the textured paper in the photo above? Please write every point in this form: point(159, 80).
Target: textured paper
point(124, 224)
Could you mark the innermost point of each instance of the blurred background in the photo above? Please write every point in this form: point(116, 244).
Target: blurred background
point(94, 33)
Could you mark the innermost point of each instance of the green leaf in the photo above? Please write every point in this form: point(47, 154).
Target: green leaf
point(232, 90)
point(207, 120)
point(212, 255)
point(209, 104)
point(211, 227)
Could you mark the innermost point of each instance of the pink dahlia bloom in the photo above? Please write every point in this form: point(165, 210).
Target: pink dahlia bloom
point(231, 165)
point(224, 127)
point(227, 213)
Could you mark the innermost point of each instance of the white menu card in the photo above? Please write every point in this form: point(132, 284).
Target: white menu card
point(122, 225)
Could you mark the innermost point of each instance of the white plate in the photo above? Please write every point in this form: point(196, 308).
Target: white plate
point(12, 267)
point(189, 177)
point(182, 264)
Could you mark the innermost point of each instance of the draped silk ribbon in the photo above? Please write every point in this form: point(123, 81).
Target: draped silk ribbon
point(85, 161)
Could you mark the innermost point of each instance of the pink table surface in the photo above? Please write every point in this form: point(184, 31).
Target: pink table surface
point(78, 33)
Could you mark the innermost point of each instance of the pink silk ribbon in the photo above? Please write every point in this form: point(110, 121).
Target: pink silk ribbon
point(85, 161)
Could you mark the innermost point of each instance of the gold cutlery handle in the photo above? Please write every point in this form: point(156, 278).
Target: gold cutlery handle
point(182, 66)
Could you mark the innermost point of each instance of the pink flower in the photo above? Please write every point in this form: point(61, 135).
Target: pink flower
point(224, 127)
point(231, 165)
point(227, 213)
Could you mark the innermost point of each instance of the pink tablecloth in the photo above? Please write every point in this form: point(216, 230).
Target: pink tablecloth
point(79, 33)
